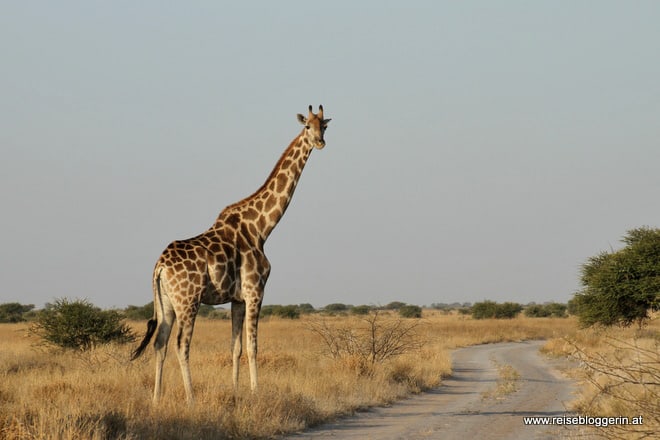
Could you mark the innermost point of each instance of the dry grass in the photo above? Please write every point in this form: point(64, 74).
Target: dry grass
point(101, 395)
point(619, 372)
point(507, 382)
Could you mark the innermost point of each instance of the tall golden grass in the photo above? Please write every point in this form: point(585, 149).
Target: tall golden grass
point(100, 394)
point(619, 373)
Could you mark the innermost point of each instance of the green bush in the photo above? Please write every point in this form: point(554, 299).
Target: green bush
point(507, 310)
point(410, 311)
point(205, 310)
point(306, 308)
point(219, 314)
point(360, 310)
point(336, 307)
point(290, 311)
point(484, 310)
point(139, 313)
point(491, 309)
point(394, 305)
point(557, 310)
point(80, 325)
point(14, 312)
point(621, 287)
point(537, 311)
point(465, 310)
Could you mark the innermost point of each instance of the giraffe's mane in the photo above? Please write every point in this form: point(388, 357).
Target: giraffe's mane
point(268, 179)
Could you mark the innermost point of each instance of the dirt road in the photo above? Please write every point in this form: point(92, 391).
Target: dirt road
point(466, 406)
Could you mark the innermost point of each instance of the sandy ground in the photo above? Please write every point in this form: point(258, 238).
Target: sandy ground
point(459, 409)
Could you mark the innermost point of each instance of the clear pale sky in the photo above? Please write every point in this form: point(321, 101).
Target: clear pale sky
point(477, 150)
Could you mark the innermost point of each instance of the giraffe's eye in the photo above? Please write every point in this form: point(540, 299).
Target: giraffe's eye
point(306, 127)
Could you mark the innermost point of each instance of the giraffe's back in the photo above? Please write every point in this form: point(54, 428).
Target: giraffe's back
point(202, 269)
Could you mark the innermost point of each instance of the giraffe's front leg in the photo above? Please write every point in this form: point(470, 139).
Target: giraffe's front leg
point(237, 317)
point(253, 307)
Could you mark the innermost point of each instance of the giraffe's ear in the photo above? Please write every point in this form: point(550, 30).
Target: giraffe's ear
point(325, 122)
point(302, 119)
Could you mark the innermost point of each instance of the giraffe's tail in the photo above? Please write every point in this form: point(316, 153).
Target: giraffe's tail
point(151, 329)
point(153, 322)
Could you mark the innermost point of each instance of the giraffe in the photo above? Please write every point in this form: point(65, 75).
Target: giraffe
point(226, 264)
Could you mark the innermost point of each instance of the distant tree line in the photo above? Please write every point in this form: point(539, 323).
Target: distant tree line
point(15, 312)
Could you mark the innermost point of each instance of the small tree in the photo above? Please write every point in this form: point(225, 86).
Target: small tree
point(80, 325)
point(621, 287)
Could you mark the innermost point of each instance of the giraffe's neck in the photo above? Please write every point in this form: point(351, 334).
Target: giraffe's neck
point(260, 212)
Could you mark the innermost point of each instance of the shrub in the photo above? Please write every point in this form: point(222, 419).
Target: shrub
point(484, 310)
point(139, 313)
point(336, 307)
point(624, 380)
point(361, 310)
point(394, 305)
point(491, 309)
point(306, 308)
point(507, 310)
point(205, 310)
point(537, 311)
point(80, 325)
point(219, 314)
point(290, 311)
point(410, 311)
point(14, 312)
point(557, 310)
point(375, 339)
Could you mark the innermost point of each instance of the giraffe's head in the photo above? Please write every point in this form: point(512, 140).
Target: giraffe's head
point(315, 127)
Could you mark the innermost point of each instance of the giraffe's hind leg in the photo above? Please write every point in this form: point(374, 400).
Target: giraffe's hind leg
point(184, 336)
point(165, 322)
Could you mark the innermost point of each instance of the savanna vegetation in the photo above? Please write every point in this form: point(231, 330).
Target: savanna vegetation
point(99, 394)
point(317, 365)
